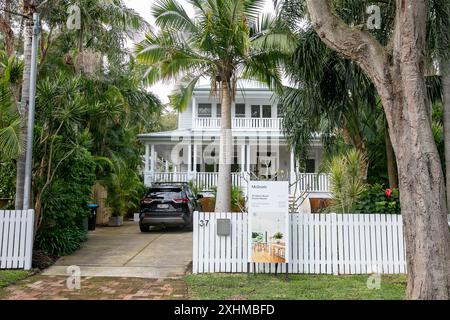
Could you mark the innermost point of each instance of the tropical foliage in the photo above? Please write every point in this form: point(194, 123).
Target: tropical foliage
point(90, 107)
point(376, 199)
point(347, 181)
point(332, 96)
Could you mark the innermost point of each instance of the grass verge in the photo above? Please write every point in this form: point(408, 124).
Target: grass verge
point(8, 277)
point(298, 287)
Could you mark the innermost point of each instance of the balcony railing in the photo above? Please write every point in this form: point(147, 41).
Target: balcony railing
point(310, 182)
point(240, 123)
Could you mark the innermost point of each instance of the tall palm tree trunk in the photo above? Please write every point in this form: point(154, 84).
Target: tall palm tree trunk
point(223, 198)
point(25, 98)
point(445, 65)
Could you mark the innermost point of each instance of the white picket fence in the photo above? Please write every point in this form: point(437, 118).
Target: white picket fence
point(320, 244)
point(16, 239)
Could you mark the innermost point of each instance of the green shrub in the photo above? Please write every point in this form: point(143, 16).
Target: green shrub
point(65, 206)
point(7, 184)
point(237, 198)
point(346, 181)
point(376, 200)
point(125, 189)
point(65, 201)
point(60, 241)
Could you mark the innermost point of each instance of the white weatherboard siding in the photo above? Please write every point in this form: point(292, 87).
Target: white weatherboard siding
point(185, 118)
point(320, 244)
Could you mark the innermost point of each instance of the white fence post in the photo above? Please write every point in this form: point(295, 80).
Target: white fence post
point(29, 240)
point(195, 244)
point(334, 244)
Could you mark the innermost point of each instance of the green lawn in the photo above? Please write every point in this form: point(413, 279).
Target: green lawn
point(299, 287)
point(8, 277)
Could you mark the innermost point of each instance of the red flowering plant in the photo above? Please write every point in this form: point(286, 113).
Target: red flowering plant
point(377, 199)
point(388, 193)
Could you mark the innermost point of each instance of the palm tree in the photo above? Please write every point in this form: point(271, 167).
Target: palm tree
point(328, 95)
point(224, 43)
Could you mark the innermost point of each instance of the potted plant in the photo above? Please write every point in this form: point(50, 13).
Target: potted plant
point(117, 209)
point(278, 236)
point(124, 191)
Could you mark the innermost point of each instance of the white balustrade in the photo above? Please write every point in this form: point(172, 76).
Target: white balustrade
point(240, 123)
point(311, 182)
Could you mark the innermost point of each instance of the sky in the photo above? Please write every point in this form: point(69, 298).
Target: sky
point(143, 7)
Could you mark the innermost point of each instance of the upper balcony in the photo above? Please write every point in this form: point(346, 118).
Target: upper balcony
point(269, 124)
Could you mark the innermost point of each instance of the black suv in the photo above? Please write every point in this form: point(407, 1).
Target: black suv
point(168, 204)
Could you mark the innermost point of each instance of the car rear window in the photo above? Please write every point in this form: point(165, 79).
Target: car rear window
point(165, 193)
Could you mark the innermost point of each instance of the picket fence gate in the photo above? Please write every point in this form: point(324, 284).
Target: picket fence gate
point(16, 239)
point(320, 244)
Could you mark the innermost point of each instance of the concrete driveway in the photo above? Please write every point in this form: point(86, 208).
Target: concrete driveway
point(126, 252)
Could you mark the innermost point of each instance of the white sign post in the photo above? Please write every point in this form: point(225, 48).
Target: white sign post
point(268, 222)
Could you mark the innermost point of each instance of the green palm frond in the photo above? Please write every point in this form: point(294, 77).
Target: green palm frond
point(170, 14)
point(217, 44)
point(253, 8)
point(11, 140)
point(182, 94)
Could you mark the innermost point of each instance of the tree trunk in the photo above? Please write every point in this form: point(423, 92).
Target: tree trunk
point(25, 98)
point(398, 75)
point(223, 198)
point(391, 163)
point(8, 36)
point(6, 29)
point(445, 66)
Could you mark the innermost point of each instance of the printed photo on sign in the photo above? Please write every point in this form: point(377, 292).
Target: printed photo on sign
point(269, 222)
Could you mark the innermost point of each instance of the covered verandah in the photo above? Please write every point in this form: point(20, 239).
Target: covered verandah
point(185, 155)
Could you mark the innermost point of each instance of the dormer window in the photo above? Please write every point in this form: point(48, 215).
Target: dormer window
point(204, 110)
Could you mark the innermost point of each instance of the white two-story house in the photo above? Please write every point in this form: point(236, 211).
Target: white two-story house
point(261, 152)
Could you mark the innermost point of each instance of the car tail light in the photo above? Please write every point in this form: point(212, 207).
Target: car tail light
point(146, 201)
point(181, 200)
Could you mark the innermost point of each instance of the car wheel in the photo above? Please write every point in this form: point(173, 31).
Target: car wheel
point(144, 228)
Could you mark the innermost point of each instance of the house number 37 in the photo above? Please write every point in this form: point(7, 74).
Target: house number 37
point(203, 223)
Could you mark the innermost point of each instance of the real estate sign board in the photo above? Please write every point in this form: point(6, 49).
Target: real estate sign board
point(268, 222)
